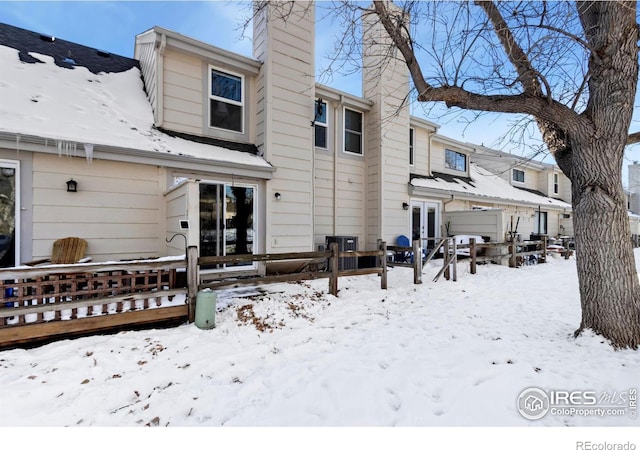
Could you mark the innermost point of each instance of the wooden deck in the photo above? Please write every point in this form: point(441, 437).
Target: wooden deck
point(57, 301)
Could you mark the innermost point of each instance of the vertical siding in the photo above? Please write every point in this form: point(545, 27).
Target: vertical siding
point(286, 92)
point(116, 209)
point(145, 53)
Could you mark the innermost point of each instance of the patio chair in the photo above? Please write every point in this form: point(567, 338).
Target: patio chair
point(69, 250)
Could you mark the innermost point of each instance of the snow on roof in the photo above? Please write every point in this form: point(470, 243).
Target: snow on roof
point(483, 183)
point(74, 105)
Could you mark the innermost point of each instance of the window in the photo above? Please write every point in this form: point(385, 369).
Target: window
point(320, 124)
point(556, 183)
point(411, 133)
point(540, 222)
point(226, 101)
point(455, 160)
point(518, 175)
point(352, 131)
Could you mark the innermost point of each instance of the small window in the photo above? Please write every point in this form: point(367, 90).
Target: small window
point(320, 124)
point(226, 101)
point(556, 183)
point(518, 175)
point(352, 131)
point(455, 160)
point(411, 156)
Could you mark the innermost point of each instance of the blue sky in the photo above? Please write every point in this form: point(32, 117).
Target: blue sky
point(112, 26)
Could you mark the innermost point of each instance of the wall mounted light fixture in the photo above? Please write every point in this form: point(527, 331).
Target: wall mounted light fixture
point(405, 206)
point(278, 195)
point(72, 186)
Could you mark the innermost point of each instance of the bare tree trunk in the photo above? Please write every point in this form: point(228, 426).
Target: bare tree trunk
point(609, 290)
point(606, 267)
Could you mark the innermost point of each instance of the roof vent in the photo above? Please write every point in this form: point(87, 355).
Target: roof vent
point(103, 53)
point(47, 38)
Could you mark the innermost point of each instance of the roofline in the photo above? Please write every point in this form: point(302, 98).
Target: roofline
point(40, 144)
point(481, 150)
point(413, 121)
point(344, 98)
point(444, 193)
point(447, 140)
point(250, 66)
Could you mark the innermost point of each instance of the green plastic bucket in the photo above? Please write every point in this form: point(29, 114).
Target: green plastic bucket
point(206, 309)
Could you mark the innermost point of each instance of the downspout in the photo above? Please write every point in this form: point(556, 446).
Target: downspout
point(335, 164)
point(160, 75)
point(446, 202)
point(431, 134)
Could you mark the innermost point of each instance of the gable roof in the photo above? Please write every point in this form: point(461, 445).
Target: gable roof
point(62, 106)
point(65, 54)
point(483, 184)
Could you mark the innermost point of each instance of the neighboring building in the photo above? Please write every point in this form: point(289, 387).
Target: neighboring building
point(251, 153)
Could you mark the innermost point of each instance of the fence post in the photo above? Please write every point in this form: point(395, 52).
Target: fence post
point(544, 249)
point(472, 255)
point(417, 262)
point(455, 261)
point(383, 264)
point(333, 264)
point(193, 272)
point(446, 259)
point(513, 249)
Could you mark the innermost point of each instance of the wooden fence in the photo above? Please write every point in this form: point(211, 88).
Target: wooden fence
point(64, 300)
point(318, 265)
point(50, 302)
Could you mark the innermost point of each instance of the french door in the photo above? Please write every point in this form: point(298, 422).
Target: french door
point(227, 221)
point(425, 222)
point(9, 218)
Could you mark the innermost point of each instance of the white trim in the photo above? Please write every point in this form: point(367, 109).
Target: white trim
point(225, 184)
point(524, 176)
point(466, 161)
point(344, 132)
point(15, 165)
point(242, 103)
point(324, 124)
point(412, 147)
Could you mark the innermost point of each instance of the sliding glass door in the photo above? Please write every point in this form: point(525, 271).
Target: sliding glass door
point(227, 221)
point(8, 213)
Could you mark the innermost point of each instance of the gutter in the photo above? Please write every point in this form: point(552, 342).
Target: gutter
point(48, 146)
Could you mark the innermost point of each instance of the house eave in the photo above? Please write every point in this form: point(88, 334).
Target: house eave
point(21, 142)
point(450, 194)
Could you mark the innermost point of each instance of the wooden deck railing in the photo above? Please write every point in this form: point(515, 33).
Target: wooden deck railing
point(39, 302)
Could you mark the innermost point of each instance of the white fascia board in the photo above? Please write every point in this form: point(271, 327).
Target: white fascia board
point(247, 66)
point(146, 157)
point(346, 99)
point(446, 194)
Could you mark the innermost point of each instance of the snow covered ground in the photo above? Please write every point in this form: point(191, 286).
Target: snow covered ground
point(432, 355)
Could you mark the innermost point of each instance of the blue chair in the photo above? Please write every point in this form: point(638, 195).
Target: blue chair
point(403, 256)
point(406, 256)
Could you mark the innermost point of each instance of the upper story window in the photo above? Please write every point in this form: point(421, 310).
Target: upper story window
point(455, 160)
point(411, 151)
point(556, 183)
point(226, 100)
point(518, 175)
point(353, 132)
point(320, 124)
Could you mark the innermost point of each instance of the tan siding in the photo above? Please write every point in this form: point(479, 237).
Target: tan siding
point(116, 208)
point(183, 92)
point(285, 90)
